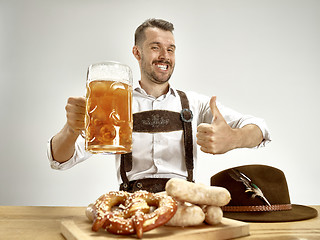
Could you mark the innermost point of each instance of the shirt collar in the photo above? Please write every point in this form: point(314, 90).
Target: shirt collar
point(172, 91)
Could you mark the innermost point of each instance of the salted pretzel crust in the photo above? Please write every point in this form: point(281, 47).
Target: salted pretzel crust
point(133, 215)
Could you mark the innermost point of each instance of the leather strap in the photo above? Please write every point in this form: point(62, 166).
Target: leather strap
point(186, 118)
point(153, 185)
point(259, 208)
point(163, 121)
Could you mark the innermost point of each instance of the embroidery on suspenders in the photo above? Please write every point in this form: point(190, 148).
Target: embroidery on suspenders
point(164, 121)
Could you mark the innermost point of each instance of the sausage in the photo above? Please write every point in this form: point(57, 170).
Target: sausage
point(187, 215)
point(200, 194)
point(213, 214)
point(90, 212)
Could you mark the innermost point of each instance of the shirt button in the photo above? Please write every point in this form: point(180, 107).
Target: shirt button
point(158, 162)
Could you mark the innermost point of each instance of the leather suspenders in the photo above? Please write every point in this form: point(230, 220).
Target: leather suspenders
point(186, 117)
point(163, 121)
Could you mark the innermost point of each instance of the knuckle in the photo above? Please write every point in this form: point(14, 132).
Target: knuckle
point(67, 106)
point(70, 100)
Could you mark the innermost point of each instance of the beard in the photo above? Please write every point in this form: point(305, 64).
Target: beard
point(153, 76)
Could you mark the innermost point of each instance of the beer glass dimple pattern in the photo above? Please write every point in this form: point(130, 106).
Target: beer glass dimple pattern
point(108, 120)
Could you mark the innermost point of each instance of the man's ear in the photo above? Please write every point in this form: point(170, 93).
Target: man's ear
point(136, 53)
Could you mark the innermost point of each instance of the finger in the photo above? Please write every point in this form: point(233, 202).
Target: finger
point(205, 150)
point(206, 141)
point(71, 109)
point(213, 105)
point(77, 101)
point(76, 116)
point(204, 128)
point(75, 120)
point(204, 136)
point(200, 137)
point(202, 143)
point(75, 106)
point(214, 109)
point(76, 125)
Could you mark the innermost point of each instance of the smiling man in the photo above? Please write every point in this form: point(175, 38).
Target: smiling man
point(155, 51)
point(168, 123)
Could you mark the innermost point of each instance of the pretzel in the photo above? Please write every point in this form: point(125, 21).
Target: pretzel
point(200, 194)
point(133, 213)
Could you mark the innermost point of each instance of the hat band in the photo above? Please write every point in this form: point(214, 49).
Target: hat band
point(260, 208)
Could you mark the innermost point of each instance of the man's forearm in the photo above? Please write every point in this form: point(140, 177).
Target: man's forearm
point(63, 144)
point(248, 136)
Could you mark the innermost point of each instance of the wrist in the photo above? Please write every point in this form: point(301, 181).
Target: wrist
point(71, 132)
point(237, 138)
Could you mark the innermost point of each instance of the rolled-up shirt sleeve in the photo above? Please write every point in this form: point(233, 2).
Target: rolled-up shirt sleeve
point(79, 155)
point(258, 122)
point(238, 120)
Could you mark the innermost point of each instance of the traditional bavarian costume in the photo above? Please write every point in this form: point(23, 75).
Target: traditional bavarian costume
point(170, 121)
point(159, 155)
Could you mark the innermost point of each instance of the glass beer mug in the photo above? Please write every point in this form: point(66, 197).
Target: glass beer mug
point(108, 119)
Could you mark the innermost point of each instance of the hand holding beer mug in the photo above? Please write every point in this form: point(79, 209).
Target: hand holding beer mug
point(108, 119)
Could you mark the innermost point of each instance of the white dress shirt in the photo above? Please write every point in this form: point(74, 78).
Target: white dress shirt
point(161, 155)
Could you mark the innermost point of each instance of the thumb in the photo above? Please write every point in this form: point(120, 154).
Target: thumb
point(213, 105)
point(214, 108)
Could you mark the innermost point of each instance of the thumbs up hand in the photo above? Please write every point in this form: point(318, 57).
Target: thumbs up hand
point(217, 137)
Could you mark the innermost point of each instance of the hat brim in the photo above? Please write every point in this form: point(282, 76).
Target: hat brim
point(297, 213)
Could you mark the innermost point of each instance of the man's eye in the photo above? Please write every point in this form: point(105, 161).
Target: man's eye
point(154, 48)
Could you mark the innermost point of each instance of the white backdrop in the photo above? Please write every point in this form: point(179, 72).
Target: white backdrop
point(258, 57)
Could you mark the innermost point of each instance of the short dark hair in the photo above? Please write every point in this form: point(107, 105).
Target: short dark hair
point(139, 35)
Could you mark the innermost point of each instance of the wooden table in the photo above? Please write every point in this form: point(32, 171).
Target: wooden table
point(33, 222)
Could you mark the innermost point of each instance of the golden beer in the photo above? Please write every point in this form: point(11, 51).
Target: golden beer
point(108, 120)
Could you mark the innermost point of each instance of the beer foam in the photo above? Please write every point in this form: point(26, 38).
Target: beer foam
point(110, 71)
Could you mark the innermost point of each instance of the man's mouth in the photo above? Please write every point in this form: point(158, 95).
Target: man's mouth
point(162, 66)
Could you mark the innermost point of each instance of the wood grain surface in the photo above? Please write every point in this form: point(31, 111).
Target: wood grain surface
point(79, 228)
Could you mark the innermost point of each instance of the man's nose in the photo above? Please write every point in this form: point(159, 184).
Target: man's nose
point(164, 54)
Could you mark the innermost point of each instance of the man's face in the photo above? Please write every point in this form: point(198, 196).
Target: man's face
point(157, 55)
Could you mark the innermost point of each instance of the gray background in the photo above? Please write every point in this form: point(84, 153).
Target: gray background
point(258, 57)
